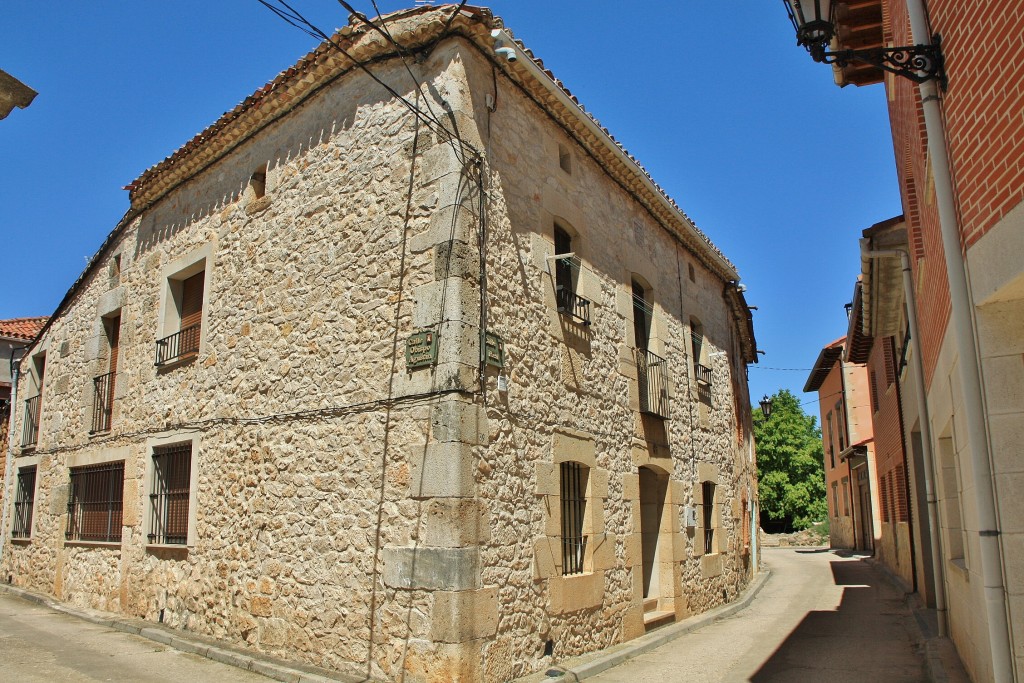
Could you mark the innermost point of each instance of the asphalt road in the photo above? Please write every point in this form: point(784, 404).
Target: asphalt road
point(820, 617)
point(39, 644)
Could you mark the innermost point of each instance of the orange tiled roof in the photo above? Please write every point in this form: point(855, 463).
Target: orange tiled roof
point(22, 328)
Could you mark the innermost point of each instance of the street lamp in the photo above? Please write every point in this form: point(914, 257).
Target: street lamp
point(815, 24)
point(766, 407)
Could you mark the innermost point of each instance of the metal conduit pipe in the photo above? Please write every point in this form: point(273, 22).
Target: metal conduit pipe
point(968, 362)
point(926, 427)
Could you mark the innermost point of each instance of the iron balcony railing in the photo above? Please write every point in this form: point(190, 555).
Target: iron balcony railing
point(572, 304)
point(103, 402)
point(178, 345)
point(652, 377)
point(30, 431)
point(703, 373)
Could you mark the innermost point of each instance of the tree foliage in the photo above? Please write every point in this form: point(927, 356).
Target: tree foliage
point(790, 465)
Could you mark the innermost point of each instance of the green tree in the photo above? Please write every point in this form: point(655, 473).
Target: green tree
point(790, 465)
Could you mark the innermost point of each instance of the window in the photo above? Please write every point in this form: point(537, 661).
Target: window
point(184, 314)
point(169, 496)
point(641, 316)
point(564, 159)
point(835, 499)
point(258, 182)
point(900, 512)
point(884, 485)
point(103, 386)
point(567, 267)
point(708, 511)
point(846, 496)
point(574, 507)
point(831, 440)
point(33, 405)
point(651, 369)
point(95, 503)
point(840, 426)
point(24, 499)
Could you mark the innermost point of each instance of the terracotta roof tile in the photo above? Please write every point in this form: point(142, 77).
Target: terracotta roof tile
point(22, 328)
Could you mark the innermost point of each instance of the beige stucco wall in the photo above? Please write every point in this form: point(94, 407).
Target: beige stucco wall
point(395, 536)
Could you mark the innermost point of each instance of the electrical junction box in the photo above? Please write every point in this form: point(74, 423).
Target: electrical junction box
point(691, 515)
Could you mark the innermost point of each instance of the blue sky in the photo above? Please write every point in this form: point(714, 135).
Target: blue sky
point(777, 165)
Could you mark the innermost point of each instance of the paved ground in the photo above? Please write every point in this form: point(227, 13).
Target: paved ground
point(820, 617)
point(40, 644)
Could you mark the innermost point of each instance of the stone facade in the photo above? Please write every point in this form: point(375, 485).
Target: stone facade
point(349, 506)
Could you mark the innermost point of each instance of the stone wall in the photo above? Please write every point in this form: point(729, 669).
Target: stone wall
point(349, 512)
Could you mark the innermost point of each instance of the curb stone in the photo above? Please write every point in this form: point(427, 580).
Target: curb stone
point(279, 670)
point(612, 657)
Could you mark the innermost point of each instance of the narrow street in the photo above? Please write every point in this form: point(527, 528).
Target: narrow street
point(819, 617)
point(38, 644)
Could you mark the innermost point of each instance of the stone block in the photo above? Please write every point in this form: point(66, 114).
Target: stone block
point(706, 472)
point(548, 479)
point(109, 302)
point(604, 552)
point(457, 259)
point(455, 522)
point(598, 483)
point(633, 623)
point(633, 554)
point(459, 342)
point(631, 486)
point(574, 593)
point(130, 515)
point(461, 616)
point(679, 548)
point(547, 558)
point(442, 470)
point(711, 565)
point(428, 662)
point(595, 511)
point(448, 222)
point(458, 420)
point(677, 492)
point(576, 446)
point(445, 300)
point(450, 569)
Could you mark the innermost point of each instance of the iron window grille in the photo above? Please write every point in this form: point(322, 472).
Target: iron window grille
point(574, 507)
point(103, 402)
point(23, 503)
point(703, 373)
point(30, 432)
point(96, 502)
point(708, 495)
point(652, 378)
point(178, 345)
point(169, 497)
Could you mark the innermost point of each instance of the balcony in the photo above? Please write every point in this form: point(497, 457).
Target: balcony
point(702, 373)
point(572, 305)
point(652, 379)
point(30, 431)
point(178, 346)
point(103, 402)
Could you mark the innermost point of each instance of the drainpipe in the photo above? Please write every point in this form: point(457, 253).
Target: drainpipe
point(9, 464)
point(968, 360)
point(988, 528)
point(926, 427)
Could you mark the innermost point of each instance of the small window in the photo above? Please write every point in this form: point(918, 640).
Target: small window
point(33, 404)
point(115, 270)
point(258, 182)
point(567, 267)
point(835, 499)
point(831, 440)
point(840, 426)
point(708, 510)
point(574, 508)
point(846, 496)
point(24, 500)
point(692, 273)
point(185, 315)
point(103, 386)
point(642, 314)
point(95, 503)
point(169, 495)
point(564, 159)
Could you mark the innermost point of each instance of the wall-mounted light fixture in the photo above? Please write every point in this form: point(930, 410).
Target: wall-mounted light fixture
point(815, 24)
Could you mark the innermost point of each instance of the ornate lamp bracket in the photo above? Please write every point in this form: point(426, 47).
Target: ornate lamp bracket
point(919, 63)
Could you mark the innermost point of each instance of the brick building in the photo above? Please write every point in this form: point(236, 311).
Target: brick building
point(959, 153)
point(423, 383)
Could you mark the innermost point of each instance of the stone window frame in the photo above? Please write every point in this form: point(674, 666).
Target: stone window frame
point(23, 463)
point(152, 445)
point(35, 381)
point(585, 590)
point(711, 563)
point(199, 260)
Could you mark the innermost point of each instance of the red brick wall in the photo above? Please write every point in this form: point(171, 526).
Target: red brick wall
point(983, 45)
point(886, 419)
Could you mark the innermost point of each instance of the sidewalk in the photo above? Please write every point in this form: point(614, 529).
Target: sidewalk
point(276, 669)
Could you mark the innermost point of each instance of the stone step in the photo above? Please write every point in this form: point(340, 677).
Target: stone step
point(658, 618)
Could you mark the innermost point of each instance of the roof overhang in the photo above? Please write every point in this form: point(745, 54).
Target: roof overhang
point(860, 28)
point(744, 321)
point(858, 341)
point(13, 93)
point(823, 366)
point(882, 279)
point(856, 454)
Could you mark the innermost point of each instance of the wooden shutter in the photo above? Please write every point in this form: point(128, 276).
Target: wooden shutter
point(114, 337)
point(192, 300)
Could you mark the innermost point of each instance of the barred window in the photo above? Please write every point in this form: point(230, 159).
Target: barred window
point(169, 496)
point(574, 507)
point(708, 505)
point(24, 499)
point(95, 502)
